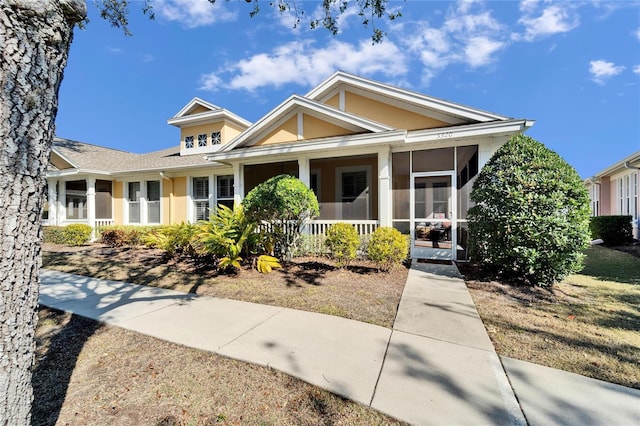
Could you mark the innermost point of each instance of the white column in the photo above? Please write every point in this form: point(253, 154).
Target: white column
point(238, 183)
point(91, 202)
point(52, 198)
point(62, 199)
point(304, 171)
point(384, 187)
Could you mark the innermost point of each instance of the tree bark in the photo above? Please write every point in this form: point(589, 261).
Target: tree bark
point(35, 36)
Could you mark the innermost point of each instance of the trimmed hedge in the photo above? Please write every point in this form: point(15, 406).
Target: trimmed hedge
point(75, 234)
point(613, 230)
point(128, 235)
point(343, 242)
point(387, 248)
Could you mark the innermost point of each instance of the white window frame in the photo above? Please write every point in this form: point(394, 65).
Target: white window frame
point(147, 202)
point(216, 138)
point(193, 200)
point(202, 140)
point(129, 202)
point(188, 142)
point(218, 198)
point(338, 194)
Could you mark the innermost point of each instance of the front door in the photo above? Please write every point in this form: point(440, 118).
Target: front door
point(433, 225)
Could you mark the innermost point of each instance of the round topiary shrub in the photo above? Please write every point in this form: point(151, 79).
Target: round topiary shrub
point(286, 205)
point(530, 224)
point(77, 234)
point(343, 242)
point(387, 248)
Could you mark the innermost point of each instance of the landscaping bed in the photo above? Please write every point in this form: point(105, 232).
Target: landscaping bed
point(357, 291)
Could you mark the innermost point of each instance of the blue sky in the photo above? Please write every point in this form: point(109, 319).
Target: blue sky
point(574, 67)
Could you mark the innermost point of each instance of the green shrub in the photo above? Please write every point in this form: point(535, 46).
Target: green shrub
point(176, 240)
point(613, 230)
point(53, 234)
point(530, 224)
point(285, 204)
point(77, 234)
point(342, 242)
point(229, 234)
point(387, 248)
point(124, 235)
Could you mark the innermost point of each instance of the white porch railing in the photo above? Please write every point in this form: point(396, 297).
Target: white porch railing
point(104, 222)
point(364, 227)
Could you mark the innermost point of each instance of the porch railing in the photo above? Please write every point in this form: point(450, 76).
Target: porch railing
point(364, 227)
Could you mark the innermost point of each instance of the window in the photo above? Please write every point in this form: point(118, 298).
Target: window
point(224, 192)
point(440, 200)
point(153, 201)
point(353, 192)
point(595, 199)
point(133, 199)
point(216, 138)
point(45, 209)
point(201, 198)
point(202, 140)
point(188, 142)
point(76, 199)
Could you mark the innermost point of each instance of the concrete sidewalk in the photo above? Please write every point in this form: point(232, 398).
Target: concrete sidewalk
point(437, 365)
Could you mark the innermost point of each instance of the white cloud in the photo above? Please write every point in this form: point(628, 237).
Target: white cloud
point(636, 69)
point(148, 58)
point(553, 19)
point(115, 50)
point(637, 33)
point(479, 50)
point(602, 70)
point(469, 35)
point(303, 64)
point(194, 13)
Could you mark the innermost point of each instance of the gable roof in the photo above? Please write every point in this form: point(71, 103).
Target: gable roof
point(630, 162)
point(296, 104)
point(440, 109)
point(213, 112)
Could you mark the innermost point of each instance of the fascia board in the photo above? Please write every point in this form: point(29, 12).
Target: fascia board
point(59, 154)
point(61, 173)
point(620, 165)
point(310, 146)
point(471, 130)
point(193, 102)
point(207, 165)
point(429, 102)
point(276, 116)
point(203, 117)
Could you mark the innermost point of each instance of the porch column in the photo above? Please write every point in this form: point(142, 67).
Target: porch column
point(384, 186)
point(91, 202)
point(52, 198)
point(304, 172)
point(238, 183)
point(486, 151)
point(62, 199)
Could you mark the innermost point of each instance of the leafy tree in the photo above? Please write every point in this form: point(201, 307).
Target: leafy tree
point(530, 224)
point(284, 204)
point(35, 36)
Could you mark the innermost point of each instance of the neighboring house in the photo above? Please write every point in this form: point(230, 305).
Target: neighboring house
point(614, 191)
point(374, 155)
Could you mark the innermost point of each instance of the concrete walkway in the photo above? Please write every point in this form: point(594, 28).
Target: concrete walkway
point(437, 365)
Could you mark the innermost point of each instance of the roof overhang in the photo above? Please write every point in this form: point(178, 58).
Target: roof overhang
point(630, 162)
point(470, 130)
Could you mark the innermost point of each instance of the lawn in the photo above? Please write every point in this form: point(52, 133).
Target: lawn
point(588, 324)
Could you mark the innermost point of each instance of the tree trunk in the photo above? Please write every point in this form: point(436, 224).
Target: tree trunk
point(35, 36)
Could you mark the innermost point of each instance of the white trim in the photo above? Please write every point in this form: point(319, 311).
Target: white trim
point(215, 113)
point(293, 104)
point(404, 96)
point(300, 125)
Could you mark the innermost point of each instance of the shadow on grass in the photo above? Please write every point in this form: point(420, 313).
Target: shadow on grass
point(53, 370)
point(606, 264)
point(310, 272)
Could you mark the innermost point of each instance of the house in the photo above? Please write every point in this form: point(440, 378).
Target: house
point(374, 155)
point(614, 190)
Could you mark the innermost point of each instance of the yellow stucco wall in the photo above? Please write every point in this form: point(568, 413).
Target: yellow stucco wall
point(315, 128)
point(288, 132)
point(118, 203)
point(166, 201)
point(198, 130)
point(396, 117)
point(334, 101)
point(198, 109)
point(230, 131)
point(179, 208)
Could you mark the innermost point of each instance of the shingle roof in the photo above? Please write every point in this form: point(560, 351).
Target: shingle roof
point(97, 158)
